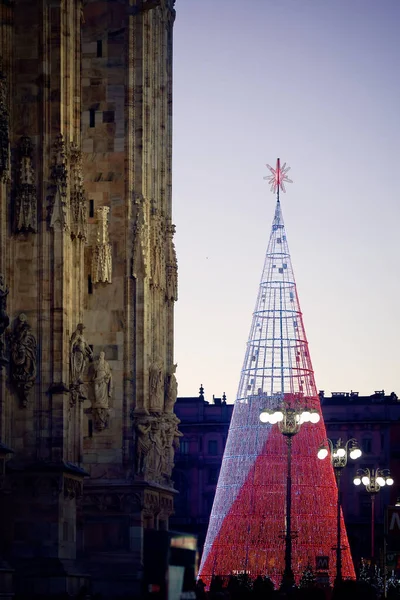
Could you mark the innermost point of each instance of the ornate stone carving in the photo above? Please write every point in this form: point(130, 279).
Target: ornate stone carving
point(157, 252)
point(156, 441)
point(151, 502)
point(23, 358)
point(171, 390)
point(168, 12)
point(113, 501)
point(157, 458)
point(172, 266)
point(173, 436)
point(78, 199)
point(80, 353)
point(156, 386)
point(59, 218)
point(4, 318)
point(139, 251)
point(73, 488)
point(4, 129)
point(102, 257)
point(143, 444)
point(102, 388)
point(26, 196)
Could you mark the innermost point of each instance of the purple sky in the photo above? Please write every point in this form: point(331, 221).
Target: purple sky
point(317, 83)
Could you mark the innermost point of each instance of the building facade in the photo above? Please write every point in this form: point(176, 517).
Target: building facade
point(88, 281)
point(205, 428)
point(373, 420)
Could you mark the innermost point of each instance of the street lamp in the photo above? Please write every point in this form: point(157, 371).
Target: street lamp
point(373, 480)
point(339, 454)
point(289, 421)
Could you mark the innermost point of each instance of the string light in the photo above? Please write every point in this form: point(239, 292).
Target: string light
point(247, 525)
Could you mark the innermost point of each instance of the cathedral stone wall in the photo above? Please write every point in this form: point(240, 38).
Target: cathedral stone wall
point(88, 281)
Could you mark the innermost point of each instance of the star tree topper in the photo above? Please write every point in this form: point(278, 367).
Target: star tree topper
point(278, 177)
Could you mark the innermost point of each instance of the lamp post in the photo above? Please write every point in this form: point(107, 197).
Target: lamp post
point(289, 420)
point(373, 480)
point(339, 454)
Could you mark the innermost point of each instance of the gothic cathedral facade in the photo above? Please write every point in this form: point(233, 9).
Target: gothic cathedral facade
point(88, 282)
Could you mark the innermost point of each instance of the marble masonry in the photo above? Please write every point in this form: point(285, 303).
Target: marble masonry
point(88, 282)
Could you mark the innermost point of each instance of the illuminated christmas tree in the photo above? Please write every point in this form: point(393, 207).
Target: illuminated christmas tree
point(248, 524)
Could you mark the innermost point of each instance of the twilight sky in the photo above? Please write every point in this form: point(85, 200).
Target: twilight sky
point(317, 83)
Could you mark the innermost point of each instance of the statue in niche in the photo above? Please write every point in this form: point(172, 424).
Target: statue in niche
point(26, 197)
point(171, 391)
point(142, 444)
point(4, 318)
point(156, 385)
point(102, 383)
point(23, 358)
point(80, 353)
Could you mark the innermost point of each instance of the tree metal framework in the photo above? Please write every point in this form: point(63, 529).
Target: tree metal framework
point(247, 525)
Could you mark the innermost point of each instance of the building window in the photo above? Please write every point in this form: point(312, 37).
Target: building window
point(184, 447)
point(212, 447)
point(213, 475)
point(92, 117)
point(367, 445)
point(200, 444)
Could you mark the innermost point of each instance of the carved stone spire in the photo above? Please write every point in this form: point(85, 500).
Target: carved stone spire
point(26, 195)
point(78, 200)
point(59, 176)
point(102, 257)
point(172, 265)
point(4, 129)
point(140, 240)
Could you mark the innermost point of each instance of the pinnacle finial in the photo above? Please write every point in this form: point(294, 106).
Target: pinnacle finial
point(278, 177)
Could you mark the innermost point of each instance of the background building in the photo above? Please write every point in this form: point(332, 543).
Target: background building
point(87, 290)
point(205, 428)
point(373, 420)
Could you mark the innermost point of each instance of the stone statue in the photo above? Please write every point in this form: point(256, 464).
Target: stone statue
point(143, 444)
point(4, 318)
point(159, 443)
point(172, 443)
point(80, 352)
point(102, 391)
point(156, 385)
point(23, 357)
point(171, 391)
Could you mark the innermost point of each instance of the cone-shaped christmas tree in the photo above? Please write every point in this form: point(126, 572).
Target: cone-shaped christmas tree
point(247, 529)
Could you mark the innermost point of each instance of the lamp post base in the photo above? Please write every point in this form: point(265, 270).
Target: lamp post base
point(288, 581)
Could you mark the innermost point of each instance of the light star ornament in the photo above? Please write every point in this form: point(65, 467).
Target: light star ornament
point(278, 177)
